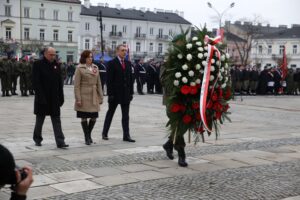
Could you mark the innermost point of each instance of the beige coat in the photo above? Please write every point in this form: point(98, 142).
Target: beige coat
point(87, 89)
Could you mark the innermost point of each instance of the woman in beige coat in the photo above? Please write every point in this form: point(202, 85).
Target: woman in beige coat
point(88, 94)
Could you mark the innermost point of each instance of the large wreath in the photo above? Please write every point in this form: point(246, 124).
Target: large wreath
point(189, 59)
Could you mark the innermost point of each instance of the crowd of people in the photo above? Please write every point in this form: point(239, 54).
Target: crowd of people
point(248, 80)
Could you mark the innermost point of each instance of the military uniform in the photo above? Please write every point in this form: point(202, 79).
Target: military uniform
point(253, 81)
point(5, 71)
point(24, 69)
point(140, 76)
point(14, 76)
point(151, 73)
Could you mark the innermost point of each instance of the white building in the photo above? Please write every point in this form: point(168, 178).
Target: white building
point(47, 22)
point(146, 33)
point(269, 47)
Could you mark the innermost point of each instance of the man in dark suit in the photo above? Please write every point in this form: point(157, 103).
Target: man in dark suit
point(49, 96)
point(119, 91)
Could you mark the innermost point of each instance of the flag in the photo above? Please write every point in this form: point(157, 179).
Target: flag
point(283, 66)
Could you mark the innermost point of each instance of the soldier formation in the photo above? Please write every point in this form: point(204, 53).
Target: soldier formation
point(270, 81)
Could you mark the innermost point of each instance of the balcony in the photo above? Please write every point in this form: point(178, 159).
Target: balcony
point(115, 34)
point(140, 36)
point(162, 37)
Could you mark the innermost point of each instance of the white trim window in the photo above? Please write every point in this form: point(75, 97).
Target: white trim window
point(55, 35)
point(26, 12)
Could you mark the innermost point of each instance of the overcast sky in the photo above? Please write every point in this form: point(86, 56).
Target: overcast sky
point(197, 12)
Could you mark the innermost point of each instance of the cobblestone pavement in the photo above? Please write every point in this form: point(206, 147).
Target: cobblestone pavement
point(256, 157)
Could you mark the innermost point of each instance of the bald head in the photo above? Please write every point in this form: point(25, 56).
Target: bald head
point(50, 54)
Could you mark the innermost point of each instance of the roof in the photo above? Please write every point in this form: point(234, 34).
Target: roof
point(67, 1)
point(293, 32)
point(232, 37)
point(134, 14)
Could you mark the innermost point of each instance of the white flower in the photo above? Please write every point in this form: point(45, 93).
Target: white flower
point(184, 80)
point(201, 71)
point(223, 85)
point(210, 87)
point(200, 55)
point(220, 78)
point(212, 68)
point(178, 75)
point(226, 79)
point(189, 46)
point(194, 38)
point(227, 55)
point(191, 73)
point(223, 57)
point(198, 43)
point(213, 61)
point(205, 48)
point(204, 63)
point(189, 57)
point(205, 54)
point(226, 66)
point(176, 82)
point(192, 84)
point(185, 67)
point(211, 78)
point(198, 81)
point(222, 69)
point(218, 63)
point(198, 66)
point(200, 49)
point(179, 56)
point(220, 75)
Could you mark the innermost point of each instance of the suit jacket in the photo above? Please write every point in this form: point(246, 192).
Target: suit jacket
point(48, 86)
point(119, 82)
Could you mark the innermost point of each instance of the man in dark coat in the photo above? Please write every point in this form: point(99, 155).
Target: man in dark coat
point(119, 91)
point(140, 71)
point(49, 96)
point(151, 72)
point(263, 82)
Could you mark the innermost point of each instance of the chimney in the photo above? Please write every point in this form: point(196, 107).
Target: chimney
point(181, 14)
point(87, 3)
point(106, 5)
point(143, 9)
point(118, 6)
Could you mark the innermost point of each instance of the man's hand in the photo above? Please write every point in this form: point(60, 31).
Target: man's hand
point(78, 103)
point(23, 185)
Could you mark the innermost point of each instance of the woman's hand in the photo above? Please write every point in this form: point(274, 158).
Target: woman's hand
point(79, 104)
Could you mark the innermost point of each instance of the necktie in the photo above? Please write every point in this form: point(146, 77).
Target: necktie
point(123, 64)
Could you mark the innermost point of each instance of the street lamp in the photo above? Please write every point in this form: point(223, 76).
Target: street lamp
point(220, 15)
point(99, 18)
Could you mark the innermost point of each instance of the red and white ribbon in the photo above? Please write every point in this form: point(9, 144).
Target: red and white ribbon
point(206, 77)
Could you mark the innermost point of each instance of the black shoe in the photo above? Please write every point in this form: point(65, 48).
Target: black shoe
point(128, 139)
point(169, 151)
point(104, 137)
point(62, 146)
point(182, 162)
point(91, 126)
point(38, 144)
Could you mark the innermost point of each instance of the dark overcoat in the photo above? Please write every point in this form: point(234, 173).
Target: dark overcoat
point(48, 87)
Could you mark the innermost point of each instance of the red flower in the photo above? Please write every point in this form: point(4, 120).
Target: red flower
point(220, 92)
point(214, 97)
point(194, 90)
point(187, 119)
point(226, 107)
point(218, 115)
point(175, 107)
point(209, 105)
point(185, 89)
point(217, 106)
point(227, 94)
point(198, 86)
point(198, 116)
point(195, 105)
point(199, 129)
point(182, 108)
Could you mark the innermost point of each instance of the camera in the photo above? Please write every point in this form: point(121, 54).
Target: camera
point(23, 174)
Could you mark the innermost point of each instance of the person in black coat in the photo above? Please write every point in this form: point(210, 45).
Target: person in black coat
point(151, 73)
point(49, 96)
point(263, 81)
point(102, 69)
point(140, 71)
point(119, 91)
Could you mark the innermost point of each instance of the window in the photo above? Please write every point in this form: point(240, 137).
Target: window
point(42, 13)
point(114, 29)
point(138, 47)
point(281, 47)
point(26, 13)
point(87, 26)
point(42, 34)
point(269, 49)
point(124, 42)
point(7, 11)
point(160, 48)
point(170, 32)
point(124, 29)
point(151, 31)
point(138, 31)
point(294, 66)
point(70, 36)
point(113, 45)
point(294, 49)
point(87, 44)
point(70, 16)
point(8, 33)
point(70, 56)
point(151, 47)
point(26, 33)
point(260, 49)
point(160, 33)
point(55, 35)
point(55, 14)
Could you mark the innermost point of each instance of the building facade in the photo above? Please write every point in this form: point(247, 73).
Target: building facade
point(32, 24)
point(146, 33)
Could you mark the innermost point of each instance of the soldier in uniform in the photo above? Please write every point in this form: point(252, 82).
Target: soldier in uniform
point(23, 71)
point(157, 83)
point(5, 77)
point(151, 72)
point(14, 76)
point(140, 76)
point(253, 80)
point(246, 80)
point(290, 82)
point(239, 79)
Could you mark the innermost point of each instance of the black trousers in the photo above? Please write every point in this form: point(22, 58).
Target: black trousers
point(139, 85)
point(56, 123)
point(110, 114)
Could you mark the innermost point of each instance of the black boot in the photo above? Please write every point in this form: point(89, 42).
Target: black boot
point(181, 157)
point(85, 129)
point(168, 147)
point(91, 126)
point(7, 93)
